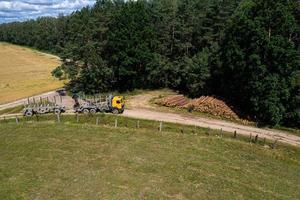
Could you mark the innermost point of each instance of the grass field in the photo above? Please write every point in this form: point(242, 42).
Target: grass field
point(70, 160)
point(25, 72)
point(13, 110)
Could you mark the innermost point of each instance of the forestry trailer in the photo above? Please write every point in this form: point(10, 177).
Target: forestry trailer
point(43, 109)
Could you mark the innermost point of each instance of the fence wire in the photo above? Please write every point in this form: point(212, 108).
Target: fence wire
point(118, 121)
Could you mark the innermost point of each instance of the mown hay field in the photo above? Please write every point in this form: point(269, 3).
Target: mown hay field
point(69, 160)
point(25, 72)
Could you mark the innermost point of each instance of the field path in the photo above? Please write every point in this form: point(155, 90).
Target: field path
point(142, 109)
point(139, 106)
point(214, 124)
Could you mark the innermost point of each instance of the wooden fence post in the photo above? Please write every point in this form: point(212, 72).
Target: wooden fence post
point(17, 120)
point(97, 121)
point(138, 124)
point(58, 118)
point(208, 131)
point(256, 139)
point(264, 141)
point(116, 123)
point(250, 138)
point(77, 118)
point(195, 129)
point(221, 132)
point(234, 134)
point(160, 126)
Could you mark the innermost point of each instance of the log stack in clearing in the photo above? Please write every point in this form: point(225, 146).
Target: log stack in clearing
point(174, 101)
point(205, 104)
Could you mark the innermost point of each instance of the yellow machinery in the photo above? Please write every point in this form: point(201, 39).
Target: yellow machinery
point(117, 104)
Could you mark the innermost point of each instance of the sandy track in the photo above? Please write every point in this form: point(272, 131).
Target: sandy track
point(214, 124)
point(140, 107)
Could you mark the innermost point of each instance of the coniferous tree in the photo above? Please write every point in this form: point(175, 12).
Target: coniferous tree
point(260, 61)
point(130, 45)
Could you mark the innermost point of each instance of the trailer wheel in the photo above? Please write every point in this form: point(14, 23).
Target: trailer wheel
point(93, 111)
point(29, 114)
point(115, 111)
point(57, 111)
point(86, 111)
point(42, 111)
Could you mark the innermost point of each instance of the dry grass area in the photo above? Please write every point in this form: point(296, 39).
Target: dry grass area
point(25, 72)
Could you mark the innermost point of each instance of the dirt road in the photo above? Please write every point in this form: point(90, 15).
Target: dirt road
point(214, 124)
point(139, 107)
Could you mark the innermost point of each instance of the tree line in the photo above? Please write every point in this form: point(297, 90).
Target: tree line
point(244, 51)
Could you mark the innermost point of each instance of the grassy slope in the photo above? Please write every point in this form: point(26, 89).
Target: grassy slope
point(83, 161)
point(25, 72)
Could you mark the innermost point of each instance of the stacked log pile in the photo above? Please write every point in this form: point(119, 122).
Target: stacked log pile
point(178, 101)
point(204, 104)
point(211, 105)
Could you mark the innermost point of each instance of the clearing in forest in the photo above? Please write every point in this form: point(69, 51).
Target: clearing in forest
point(25, 72)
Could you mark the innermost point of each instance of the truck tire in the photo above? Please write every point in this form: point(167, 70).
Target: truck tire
point(115, 111)
point(42, 111)
point(86, 111)
point(93, 111)
point(29, 114)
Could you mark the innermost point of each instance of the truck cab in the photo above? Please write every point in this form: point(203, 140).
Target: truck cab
point(117, 104)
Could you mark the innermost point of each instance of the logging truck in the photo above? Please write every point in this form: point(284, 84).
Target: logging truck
point(112, 104)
